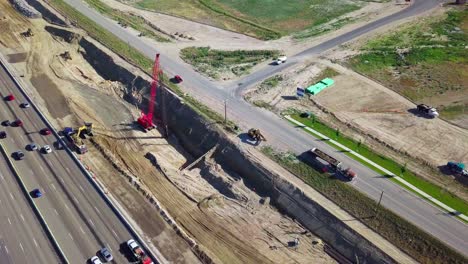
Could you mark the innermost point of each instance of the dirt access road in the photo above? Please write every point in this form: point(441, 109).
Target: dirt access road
point(71, 92)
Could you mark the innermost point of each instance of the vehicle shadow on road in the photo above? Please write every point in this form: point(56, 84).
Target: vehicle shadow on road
point(417, 113)
point(244, 137)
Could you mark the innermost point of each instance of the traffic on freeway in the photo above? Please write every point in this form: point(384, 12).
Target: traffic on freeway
point(283, 135)
point(81, 222)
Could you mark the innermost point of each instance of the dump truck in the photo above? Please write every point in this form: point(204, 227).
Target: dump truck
point(457, 168)
point(428, 110)
point(256, 135)
point(75, 137)
point(334, 163)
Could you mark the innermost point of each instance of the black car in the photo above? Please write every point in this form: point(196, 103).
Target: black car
point(6, 123)
point(19, 155)
point(3, 134)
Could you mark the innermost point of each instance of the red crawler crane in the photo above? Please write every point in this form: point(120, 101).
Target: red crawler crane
point(146, 120)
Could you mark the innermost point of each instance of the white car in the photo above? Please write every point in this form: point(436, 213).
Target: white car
point(25, 105)
point(47, 149)
point(95, 260)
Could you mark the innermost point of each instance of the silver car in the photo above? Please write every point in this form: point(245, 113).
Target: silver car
point(105, 253)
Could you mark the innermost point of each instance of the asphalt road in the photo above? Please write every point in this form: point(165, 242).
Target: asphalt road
point(78, 217)
point(22, 239)
point(283, 135)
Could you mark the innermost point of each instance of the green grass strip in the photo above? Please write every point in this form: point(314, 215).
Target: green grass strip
point(433, 190)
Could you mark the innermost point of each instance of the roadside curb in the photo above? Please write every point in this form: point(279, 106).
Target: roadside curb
point(33, 205)
point(408, 185)
point(80, 165)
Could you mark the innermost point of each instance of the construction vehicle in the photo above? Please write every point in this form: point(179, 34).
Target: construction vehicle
point(256, 135)
point(75, 137)
point(457, 168)
point(334, 163)
point(428, 110)
point(27, 33)
point(138, 252)
point(146, 120)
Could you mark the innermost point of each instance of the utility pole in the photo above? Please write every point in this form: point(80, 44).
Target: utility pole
point(225, 111)
point(378, 204)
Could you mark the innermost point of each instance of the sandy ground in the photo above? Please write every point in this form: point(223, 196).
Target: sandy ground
point(231, 222)
point(204, 35)
point(372, 110)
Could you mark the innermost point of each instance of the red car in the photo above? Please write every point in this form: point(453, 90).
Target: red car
point(178, 79)
point(17, 123)
point(45, 131)
point(10, 97)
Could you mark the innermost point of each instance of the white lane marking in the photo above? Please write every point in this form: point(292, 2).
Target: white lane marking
point(21, 246)
point(9, 221)
point(35, 242)
point(91, 222)
point(82, 231)
point(0, 201)
point(67, 169)
point(95, 208)
point(53, 186)
point(115, 234)
point(82, 188)
point(76, 200)
point(70, 236)
point(62, 180)
point(56, 212)
point(22, 217)
point(67, 207)
point(6, 249)
point(43, 171)
point(11, 195)
point(1, 175)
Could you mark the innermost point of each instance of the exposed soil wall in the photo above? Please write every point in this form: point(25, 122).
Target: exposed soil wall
point(47, 14)
point(198, 136)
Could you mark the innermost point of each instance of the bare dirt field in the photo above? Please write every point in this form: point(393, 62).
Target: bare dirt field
point(229, 221)
point(361, 107)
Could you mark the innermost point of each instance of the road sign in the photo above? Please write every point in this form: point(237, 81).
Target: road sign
point(300, 92)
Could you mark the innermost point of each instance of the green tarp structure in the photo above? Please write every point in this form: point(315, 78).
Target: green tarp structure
point(318, 87)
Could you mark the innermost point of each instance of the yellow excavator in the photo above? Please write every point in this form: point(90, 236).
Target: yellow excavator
point(78, 134)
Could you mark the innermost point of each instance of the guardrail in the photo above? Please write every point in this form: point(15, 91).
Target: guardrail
point(80, 165)
point(33, 205)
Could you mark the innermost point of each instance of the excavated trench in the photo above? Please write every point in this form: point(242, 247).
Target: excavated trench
point(197, 137)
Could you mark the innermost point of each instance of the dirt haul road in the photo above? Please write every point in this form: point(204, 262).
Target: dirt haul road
point(233, 228)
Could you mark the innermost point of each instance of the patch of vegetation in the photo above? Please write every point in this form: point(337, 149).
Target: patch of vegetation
point(421, 61)
point(326, 73)
point(433, 190)
point(212, 62)
point(453, 111)
point(272, 81)
point(262, 104)
point(409, 238)
point(251, 17)
point(322, 29)
point(125, 19)
point(133, 56)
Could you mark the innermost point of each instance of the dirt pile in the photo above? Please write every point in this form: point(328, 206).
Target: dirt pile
point(27, 10)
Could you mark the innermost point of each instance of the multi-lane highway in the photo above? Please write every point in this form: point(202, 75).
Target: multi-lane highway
point(22, 240)
point(283, 135)
point(77, 216)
